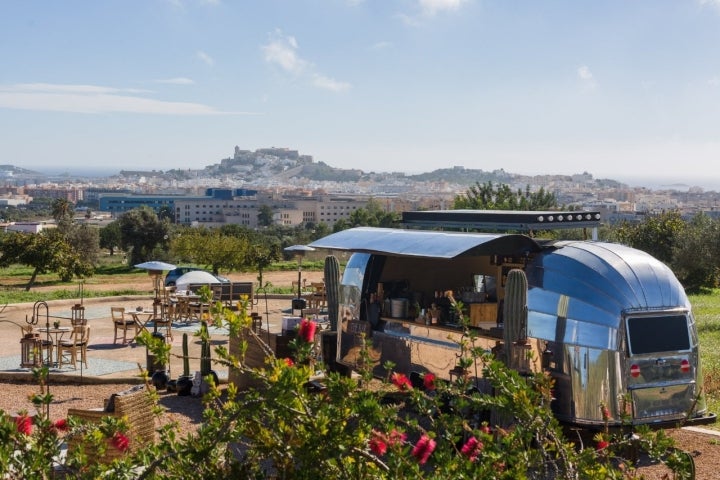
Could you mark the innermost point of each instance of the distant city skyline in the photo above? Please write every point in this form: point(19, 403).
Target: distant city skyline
point(622, 90)
point(708, 183)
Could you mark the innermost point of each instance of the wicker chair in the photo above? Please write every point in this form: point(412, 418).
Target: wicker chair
point(135, 405)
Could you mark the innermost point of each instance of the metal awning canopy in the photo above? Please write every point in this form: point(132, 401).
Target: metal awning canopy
point(421, 243)
point(502, 219)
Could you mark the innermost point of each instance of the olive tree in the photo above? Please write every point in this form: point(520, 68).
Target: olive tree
point(143, 235)
point(45, 252)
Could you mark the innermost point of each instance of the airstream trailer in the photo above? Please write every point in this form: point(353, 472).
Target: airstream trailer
point(611, 324)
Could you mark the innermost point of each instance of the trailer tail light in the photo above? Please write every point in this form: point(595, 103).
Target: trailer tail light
point(634, 371)
point(685, 366)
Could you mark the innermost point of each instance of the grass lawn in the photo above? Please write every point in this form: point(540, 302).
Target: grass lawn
point(706, 308)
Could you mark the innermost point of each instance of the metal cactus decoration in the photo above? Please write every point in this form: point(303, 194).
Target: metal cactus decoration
point(332, 289)
point(515, 310)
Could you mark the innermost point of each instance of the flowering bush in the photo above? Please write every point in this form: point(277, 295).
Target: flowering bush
point(356, 428)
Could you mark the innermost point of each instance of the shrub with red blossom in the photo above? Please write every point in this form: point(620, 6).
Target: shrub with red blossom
point(423, 449)
point(120, 441)
point(401, 381)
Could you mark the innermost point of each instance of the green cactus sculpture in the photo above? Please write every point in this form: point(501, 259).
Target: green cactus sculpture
point(515, 310)
point(332, 289)
point(205, 365)
point(186, 357)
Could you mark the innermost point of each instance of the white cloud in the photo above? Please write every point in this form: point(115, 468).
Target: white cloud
point(93, 99)
point(586, 77)
point(326, 83)
point(433, 7)
point(710, 3)
point(282, 51)
point(207, 59)
point(176, 81)
point(381, 45)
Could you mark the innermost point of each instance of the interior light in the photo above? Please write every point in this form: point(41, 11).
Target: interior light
point(541, 218)
point(550, 218)
point(560, 218)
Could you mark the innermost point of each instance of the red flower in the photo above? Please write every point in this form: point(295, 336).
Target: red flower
point(307, 330)
point(472, 448)
point(120, 441)
point(401, 381)
point(396, 438)
point(423, 449)
point(60, 425)
point(377, 443)
point(429, 381)
point(602, 444)
point(289, 361)
point(24, 424)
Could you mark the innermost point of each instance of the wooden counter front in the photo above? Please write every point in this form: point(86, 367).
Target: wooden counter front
point(482, 313)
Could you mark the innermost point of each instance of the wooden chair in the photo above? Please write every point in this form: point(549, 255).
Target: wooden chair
point(122, 324)
point(318, 297)
point(69, 349)
point(135, 405)
point(170, 303)
point(166, 322)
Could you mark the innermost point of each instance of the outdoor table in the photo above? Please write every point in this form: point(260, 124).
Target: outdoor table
point(135, 314)
point(56, 334)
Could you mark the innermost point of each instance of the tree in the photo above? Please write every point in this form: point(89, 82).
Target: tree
point(47, 251)
point(486, 197)
point(656, 235)
point(265, 215)
point(696, 253)
point(111, 237)
point(85, 241)
point(62, 210)
point(143, 235)
point(372, 215)
point(166, 213)
point(211, 248)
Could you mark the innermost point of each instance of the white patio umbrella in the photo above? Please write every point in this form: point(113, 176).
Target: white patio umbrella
point(155, 265)
point(195, 276)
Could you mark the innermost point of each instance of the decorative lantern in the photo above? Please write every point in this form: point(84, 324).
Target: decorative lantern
point(78, 315)
point(30, 351)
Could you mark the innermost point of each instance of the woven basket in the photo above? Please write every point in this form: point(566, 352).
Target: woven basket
point(136, 407)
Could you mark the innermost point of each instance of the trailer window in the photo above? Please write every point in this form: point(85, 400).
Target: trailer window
point(658, 334)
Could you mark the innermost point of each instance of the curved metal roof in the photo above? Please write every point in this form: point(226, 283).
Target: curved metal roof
point(422, 243)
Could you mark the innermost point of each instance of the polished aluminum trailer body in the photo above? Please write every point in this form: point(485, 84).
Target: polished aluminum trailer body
point(611, 324)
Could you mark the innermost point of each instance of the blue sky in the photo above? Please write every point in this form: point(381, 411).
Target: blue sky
point(620, 89)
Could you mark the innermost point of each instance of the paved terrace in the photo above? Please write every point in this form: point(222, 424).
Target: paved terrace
point(116, 362)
